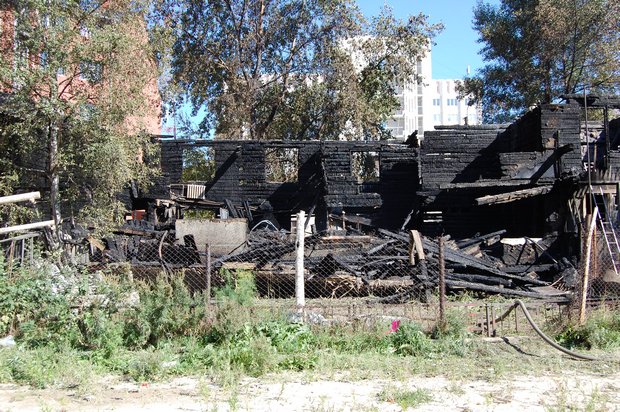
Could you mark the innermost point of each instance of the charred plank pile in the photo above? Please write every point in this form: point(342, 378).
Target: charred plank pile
point(381, 265)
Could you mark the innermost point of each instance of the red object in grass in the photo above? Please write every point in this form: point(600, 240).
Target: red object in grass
point(395, 326)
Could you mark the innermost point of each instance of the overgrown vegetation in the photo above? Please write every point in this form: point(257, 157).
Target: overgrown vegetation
point(149, 330)
point(601, 331)
point(109, 323)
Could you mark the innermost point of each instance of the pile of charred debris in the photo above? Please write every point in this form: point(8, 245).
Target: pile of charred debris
point(400, 266)
point(392, 266)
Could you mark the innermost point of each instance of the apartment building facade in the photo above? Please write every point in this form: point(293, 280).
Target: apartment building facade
point(427, 102)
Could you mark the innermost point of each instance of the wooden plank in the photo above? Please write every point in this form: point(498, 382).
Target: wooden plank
point(37, 225)
point(468, 242)
point(513, 196)
point(418, 245)
point(22, 197)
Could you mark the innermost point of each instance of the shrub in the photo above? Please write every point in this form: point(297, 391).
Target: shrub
point(410, 340)
point(167, 310)
point(239, 289)
point(601, 330)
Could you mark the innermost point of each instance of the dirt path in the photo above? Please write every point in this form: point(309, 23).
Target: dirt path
point(290, 392)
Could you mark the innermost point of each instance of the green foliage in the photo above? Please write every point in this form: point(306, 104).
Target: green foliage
point(44, 367)
point(289, 69)
point(79, 81)
point(34, 308)
point(239, 288)
point(199, 165)
point(198, 214)
point(144, 365)
point(167, 310)
point(404, 398)
point(601, 331)
point(410, 340)
point(538, 50)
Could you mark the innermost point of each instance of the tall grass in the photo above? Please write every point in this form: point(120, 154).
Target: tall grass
point(601, 331)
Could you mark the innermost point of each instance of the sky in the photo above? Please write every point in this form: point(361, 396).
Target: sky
point(456, 47)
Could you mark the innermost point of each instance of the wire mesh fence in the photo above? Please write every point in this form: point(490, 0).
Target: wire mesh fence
point(345, 274)
point(599, 274)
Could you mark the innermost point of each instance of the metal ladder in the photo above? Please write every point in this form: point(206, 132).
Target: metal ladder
point(609, 232)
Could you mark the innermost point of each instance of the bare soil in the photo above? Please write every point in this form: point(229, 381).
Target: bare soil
point(292, 392)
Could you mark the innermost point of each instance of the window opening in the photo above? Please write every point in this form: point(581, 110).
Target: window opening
point(281, 164)
point(365, 166)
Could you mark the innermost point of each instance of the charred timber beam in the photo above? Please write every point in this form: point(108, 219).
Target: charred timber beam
point(485, 280)
point(513, 196)
point(554, 157)
point(497, 290)
point(478, 239)
point(465, 260)
point(486, 183)
point(530, 268)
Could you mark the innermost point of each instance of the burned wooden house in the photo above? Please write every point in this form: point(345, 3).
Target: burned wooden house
point(527, 178)
point(369, 183)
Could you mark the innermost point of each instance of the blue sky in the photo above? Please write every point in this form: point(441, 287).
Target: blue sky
point(456, 46)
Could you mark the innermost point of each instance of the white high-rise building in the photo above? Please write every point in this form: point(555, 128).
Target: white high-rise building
point(414, 103)
point(447, 108)
point(428, 103)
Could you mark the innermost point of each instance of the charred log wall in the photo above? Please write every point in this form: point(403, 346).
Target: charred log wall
point(461, 164)
point(324, 176)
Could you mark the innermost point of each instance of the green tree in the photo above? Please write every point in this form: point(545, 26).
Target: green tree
point(538, 50)
point(295, 69)
point(76, 79)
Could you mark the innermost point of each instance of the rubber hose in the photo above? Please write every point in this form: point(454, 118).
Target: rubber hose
point(548, 339)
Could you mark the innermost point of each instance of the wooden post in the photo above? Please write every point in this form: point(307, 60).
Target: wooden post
point(208, 251)
point(442, 284)
point(586, 273)
point(488, 320)
point(417, 256)
point(299, 262)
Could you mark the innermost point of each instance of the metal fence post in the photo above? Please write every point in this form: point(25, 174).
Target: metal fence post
point(299, 262)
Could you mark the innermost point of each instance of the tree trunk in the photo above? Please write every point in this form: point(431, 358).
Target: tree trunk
point(52, 172)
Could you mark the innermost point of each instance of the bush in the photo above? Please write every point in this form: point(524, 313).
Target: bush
point(167, 310)
point(239, 289)
point(410, 340)
point(601, 330)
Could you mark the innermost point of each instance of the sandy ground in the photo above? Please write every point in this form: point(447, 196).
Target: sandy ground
point(290, 392)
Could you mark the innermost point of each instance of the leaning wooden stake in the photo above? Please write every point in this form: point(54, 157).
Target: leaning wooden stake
point(299, 262)
point(442, 284)
point(586, 273)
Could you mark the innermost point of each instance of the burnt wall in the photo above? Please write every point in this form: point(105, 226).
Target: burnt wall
point(453, 167)
point(461, 164)
point(325, 178)
point(341, 186)
point(462, 155)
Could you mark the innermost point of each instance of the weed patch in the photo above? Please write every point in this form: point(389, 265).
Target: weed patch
point(601, 331)
point(405, 398)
